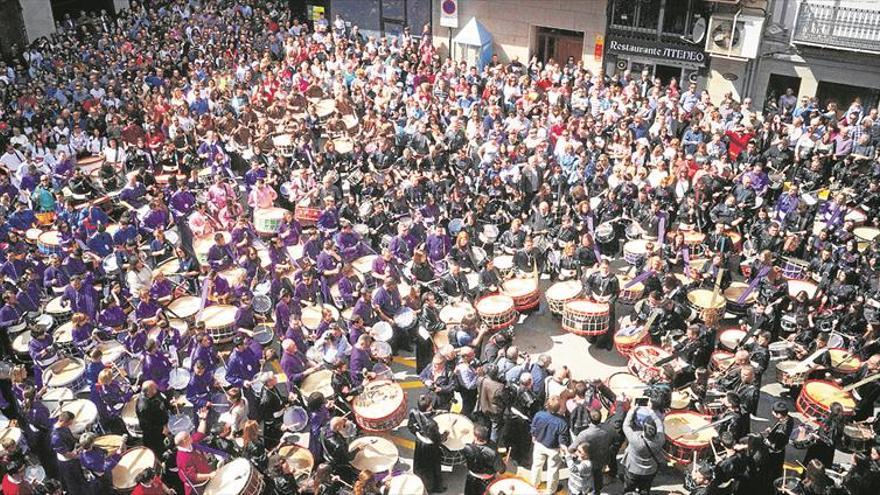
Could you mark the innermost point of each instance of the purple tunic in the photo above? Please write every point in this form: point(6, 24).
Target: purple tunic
point(157, 368)
point(293, 365)
point(199, 389)
point(241, 366)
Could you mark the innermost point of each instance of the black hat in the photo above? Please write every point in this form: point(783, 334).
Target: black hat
point(780, 407)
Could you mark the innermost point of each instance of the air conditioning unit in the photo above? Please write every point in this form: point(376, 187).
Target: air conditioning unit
point(739, 40)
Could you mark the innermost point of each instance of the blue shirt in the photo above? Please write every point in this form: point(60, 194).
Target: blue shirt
point(550, 430)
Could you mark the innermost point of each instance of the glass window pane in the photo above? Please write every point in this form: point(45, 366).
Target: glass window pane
point(624, 13)
point(675, 16)
point(649, 13)
point(418, 15)
point(394, 9)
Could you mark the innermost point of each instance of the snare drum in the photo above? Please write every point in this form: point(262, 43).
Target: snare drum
point(405, 318)
point(57, 311)
point(319, 381)
point(461, 433)
point(381, 406)
point(300, 460)
point(642, 359)
point(453, 314)
point(185, 308)
point(781, 350)
point(406, 484)
point(791, 373)
point(816, 398)
point(63, 338)
point(130, 419)
point(857, 437)
point(635, 251)
point(219, 322)
point(795, 287)
point(497, 311)
point(381, 351)
point(178, 378)
point(523, 291)
point(732, 295)
point(85, 413)
point(267, 221)
point(560, 293)
point(376, 454)
point(49, 242)
point(504, 264)
point(66, 373)
point(585, 318)
point(864, 236)
point(236, 477)
point(382, 331)
point(295, 418)
point(604, 233)
point(709, 307)
point(31, 235)
point(682, 438)
point(730, 339)
point(130, 466)
point(510, 486)
point(795, 269)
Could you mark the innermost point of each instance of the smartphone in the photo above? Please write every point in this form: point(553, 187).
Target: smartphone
point(641, 401)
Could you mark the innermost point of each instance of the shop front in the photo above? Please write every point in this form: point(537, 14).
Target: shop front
point(664, 59)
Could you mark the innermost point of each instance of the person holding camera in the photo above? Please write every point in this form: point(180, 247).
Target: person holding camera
point(641, 460)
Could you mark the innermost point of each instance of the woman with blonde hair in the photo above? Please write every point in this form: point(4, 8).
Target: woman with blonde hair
point(254, 448)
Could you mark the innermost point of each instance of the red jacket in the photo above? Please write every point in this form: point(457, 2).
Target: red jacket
point(189, 464)
point(10, 488)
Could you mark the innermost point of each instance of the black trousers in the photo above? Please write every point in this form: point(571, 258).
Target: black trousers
point(426, 464)
point(640, 483)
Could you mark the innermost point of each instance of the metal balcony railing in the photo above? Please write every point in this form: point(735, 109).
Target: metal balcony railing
point(828, 25)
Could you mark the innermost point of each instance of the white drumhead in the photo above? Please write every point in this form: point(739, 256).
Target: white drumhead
point(231, 478)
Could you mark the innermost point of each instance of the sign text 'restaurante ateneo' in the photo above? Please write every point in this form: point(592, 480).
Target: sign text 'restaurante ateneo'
point(657, 50)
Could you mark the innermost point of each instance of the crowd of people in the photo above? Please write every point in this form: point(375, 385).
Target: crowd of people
point(220, 223)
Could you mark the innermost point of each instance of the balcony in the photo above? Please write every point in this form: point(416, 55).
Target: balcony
point(827, 24)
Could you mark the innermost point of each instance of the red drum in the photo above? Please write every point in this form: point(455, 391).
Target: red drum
point(642, 359)
point(629, 295)
point(732, 295)
point(497, 311)
point(381, 406)
point(523, 291)
point(817, 396)
point(682, 439)
point(720, 360)
point(628, 337)
point(586, 318)
point(306, 215)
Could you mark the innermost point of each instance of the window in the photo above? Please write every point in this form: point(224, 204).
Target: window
point(675, 16)
point(394, 9)
point(649, 14)
point(624, 13)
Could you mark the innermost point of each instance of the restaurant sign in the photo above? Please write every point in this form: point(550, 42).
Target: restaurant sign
point(667, 52)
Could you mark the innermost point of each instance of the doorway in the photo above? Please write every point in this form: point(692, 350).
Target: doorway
point(844, 94)
point(559, 44)
point(667, 72)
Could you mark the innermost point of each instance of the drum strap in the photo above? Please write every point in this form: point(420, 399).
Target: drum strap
point(661, 230)
point(593, 235)
point(753, 284)
point(639, 278)
point(686, 257)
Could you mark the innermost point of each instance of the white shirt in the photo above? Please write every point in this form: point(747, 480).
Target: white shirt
point(138, 280)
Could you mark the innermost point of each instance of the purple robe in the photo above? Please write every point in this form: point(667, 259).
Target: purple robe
point(157, 368)
point(199, 389)
point(242, 366)
point(358, 362)
point(293, 365)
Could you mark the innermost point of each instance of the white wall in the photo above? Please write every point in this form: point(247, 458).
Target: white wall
point(38, 20)
point(512, 23)
point(120, 5)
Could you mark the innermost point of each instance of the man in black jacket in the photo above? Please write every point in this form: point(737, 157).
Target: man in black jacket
point(429, 324)
point(427, 454)
point(152, 412)
point(483, 462)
